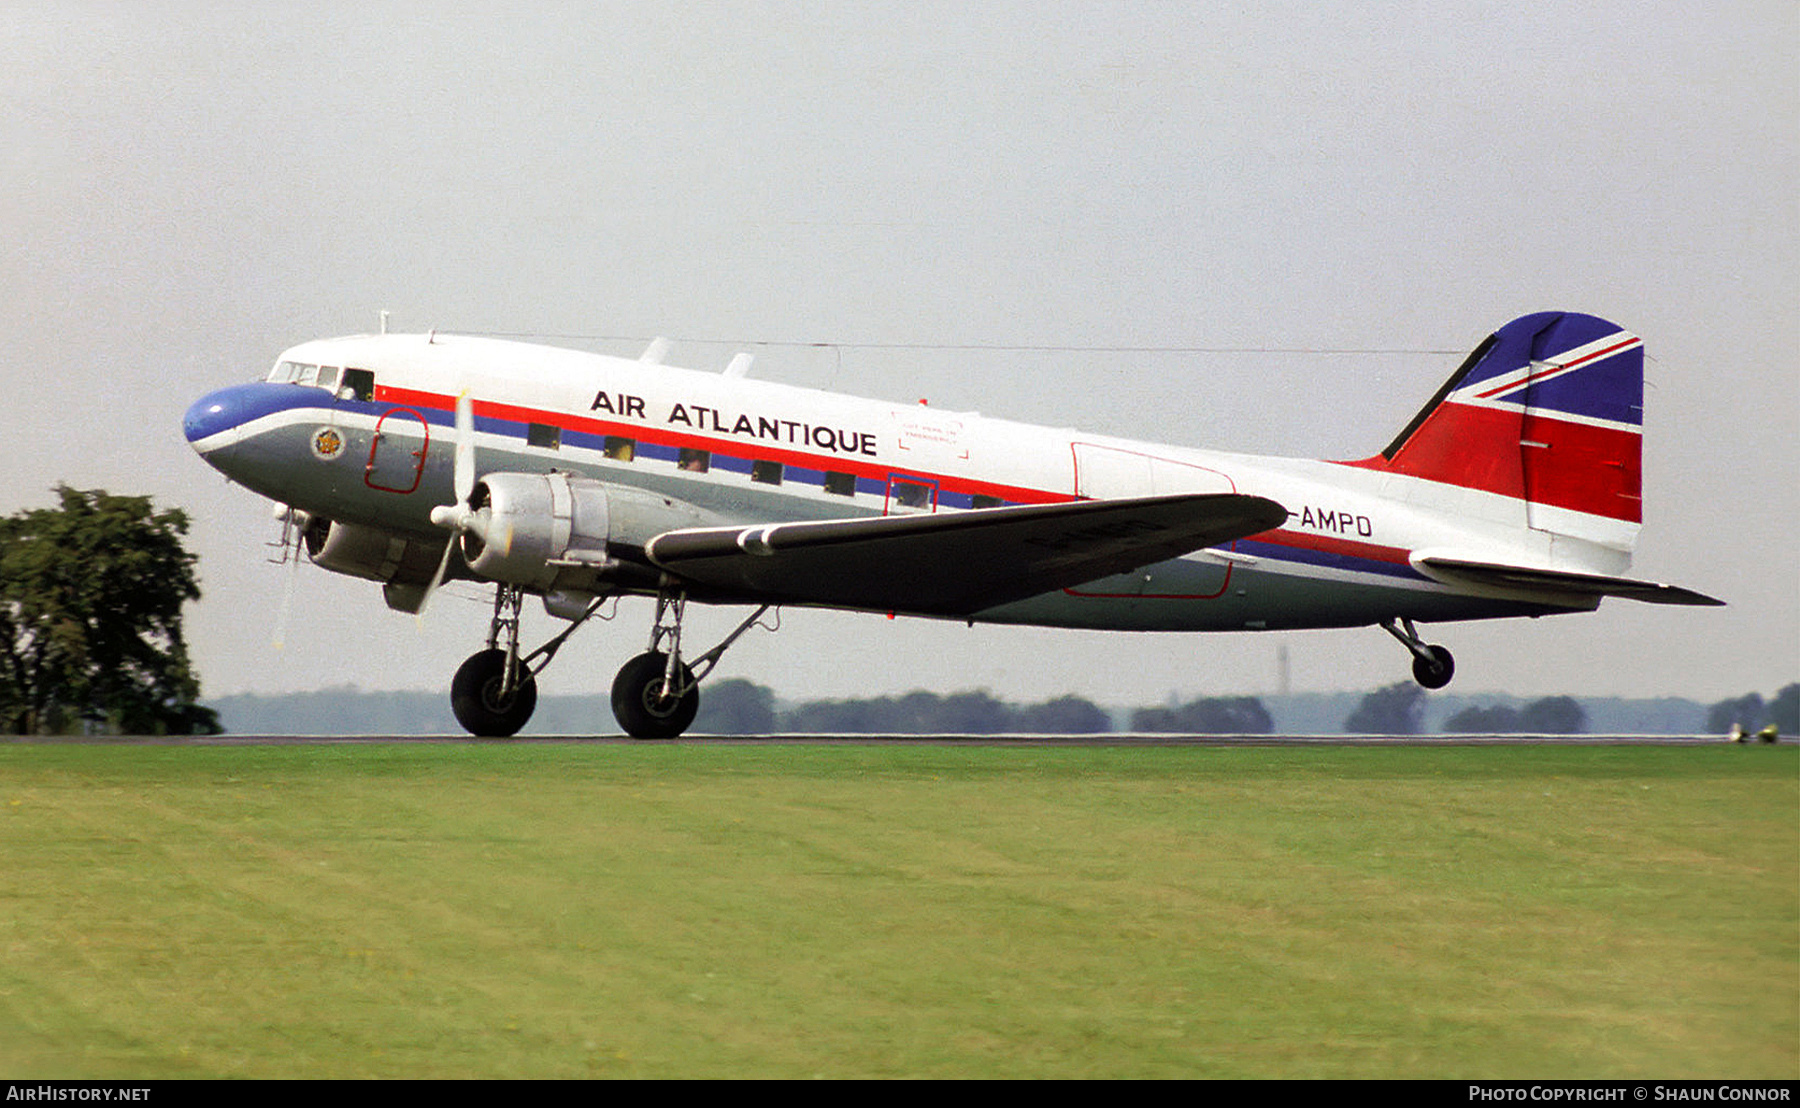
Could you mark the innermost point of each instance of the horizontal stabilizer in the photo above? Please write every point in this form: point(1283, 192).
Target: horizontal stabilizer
point(1589, 586)
point(956, 563)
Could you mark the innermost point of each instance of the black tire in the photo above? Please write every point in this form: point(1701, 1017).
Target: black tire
point(1436, 673)
point(640, 707)
point(475, 697)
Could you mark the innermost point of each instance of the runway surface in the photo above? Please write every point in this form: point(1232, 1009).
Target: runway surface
point(1101, 740)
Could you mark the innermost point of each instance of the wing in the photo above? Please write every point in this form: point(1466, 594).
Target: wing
point(956, 563)
point(1587, 586)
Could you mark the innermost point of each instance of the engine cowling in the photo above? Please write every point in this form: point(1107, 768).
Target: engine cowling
point(544, 531)
point(403, 565)
point(368, 552)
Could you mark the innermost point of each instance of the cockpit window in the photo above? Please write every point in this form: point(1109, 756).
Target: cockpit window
point(345, 383)
point(359, 384)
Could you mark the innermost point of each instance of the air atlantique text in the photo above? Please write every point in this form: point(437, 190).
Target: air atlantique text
point(700, 418)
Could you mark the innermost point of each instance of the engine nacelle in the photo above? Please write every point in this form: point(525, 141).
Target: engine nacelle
point(552, 530)
point(404, 566)
point(370, 553)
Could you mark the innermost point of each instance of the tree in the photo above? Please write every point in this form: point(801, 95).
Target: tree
point(1784, 710)
point(1396, 710)
point(1746, 711)
point(1751, 713)
point(90, 619)
point(1217, 715)
point(736, 707)
point(1066, 715)
point(1497, 720)
point(1553, 715)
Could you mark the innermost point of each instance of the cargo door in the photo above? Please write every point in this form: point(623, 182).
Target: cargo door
point(397, 456)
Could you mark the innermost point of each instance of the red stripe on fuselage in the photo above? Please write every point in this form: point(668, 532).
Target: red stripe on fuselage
point(731, 447)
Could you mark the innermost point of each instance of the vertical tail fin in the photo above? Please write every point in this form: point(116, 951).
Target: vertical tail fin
point(1550, 411)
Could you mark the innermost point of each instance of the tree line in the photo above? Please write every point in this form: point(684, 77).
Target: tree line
point(739, 707)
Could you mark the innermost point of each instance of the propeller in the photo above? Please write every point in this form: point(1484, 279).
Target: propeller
point(458, 517)
point(293, 541)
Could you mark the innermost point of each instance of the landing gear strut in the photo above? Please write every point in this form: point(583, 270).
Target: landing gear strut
point(656, 695)
point(495, 690)
point(1432, 665)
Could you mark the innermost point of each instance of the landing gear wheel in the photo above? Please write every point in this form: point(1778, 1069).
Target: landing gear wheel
point(476, 700)
point(641, 707)
point(1434, 673)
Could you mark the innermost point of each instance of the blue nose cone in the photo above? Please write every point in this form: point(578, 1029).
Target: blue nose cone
point(237, 405)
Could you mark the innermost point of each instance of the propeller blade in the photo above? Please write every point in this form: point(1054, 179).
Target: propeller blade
point(437, 578)
point(465, 448)
point(457, 516)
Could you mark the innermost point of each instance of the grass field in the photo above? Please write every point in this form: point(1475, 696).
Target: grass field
point(510, 910)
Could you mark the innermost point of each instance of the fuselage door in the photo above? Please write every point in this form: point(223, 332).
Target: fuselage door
point(1115, 473)
point(397, 456)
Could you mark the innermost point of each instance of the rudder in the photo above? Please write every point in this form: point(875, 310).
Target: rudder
point(1548, 410)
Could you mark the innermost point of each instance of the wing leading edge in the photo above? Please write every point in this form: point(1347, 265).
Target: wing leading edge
point(960, 563)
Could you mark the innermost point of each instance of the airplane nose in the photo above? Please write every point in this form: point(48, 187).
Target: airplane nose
point(206, 416)
point(231, 407)
point(213, 412)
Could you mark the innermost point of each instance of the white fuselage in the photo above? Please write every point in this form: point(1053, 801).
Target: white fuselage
point(375, 450)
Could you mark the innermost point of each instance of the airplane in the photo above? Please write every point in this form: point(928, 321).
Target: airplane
point(416, 459)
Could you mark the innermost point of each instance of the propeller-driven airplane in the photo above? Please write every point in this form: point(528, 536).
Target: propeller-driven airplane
point(575, 477)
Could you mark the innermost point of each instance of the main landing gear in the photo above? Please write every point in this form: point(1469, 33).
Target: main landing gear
point(655, 695)
point(1432, 665)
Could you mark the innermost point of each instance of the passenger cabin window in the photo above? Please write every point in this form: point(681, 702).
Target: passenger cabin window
point(620, 449)
point(545, 435)
point(694, 461)
point(840, 484)
point(766, 473)
point(981, 500)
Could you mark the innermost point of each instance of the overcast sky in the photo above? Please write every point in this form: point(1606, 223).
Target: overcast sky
point(190, 188)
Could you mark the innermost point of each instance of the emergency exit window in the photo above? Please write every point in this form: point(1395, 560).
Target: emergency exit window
point(910, 495)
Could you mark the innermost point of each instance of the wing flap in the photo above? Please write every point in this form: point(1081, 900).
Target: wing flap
point(1587, 586)
point(956, 563)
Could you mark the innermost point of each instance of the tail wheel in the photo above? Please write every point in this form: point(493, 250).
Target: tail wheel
point(641, 705)
point(1434, 672)
point(475, 697)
